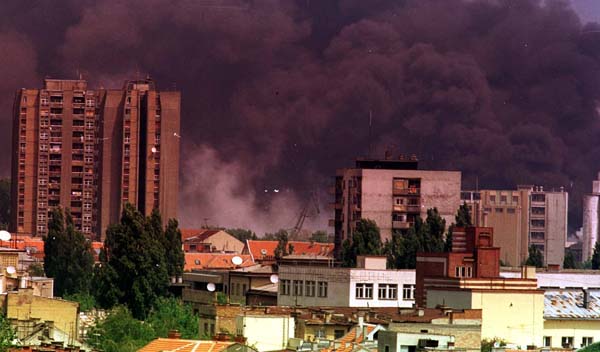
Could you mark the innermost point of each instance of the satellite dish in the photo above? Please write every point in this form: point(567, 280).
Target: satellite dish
point(263, 251)
point(211, 287)
point(154, 150)
point(4, 235)
point(237, 260)
point(274, 278)
point(11, 270)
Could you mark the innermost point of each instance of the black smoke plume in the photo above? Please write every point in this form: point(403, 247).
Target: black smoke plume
point(276, 95)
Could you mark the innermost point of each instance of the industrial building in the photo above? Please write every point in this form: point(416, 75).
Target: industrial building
point(526, 216)
point(393, 193)
point(92, 151)
point(591, 214)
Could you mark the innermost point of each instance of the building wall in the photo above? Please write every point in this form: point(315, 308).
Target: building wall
point(337, 279)
point(557, 329)
point(266, 333)
point(556, 227)
point(23, 305)
point(316, 332)
point(581, 279)
point(377, 278)
point(393, 341)
point(465, 336)
point(591, 213)
point(224, 242)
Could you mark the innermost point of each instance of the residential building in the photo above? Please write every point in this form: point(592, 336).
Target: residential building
point(361, 338)
point(205, 240)
point(215, 261)
point(92, 151)
point(563, 279)
point(394, 341)
point(571, 318)
point(469, 278)
point(264, 251)
point(527, 216)
point(368, 285)
point(462, 328)
point(392, 193)
point(29, 314)
point(591, 217)
point(181, 345)
point(266, 332)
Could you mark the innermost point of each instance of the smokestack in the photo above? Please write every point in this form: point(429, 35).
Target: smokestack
point(586, 298)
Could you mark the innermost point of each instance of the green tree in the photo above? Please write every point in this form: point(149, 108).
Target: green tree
point(569, 261)
point(433, 232)
point(171, 314)
point(319, 236)
point(596, 256)
point(120, 332)
point(174, 255)
point(366, 240)
point(4, 203)
point(36, 269)
point(283, 247)
point(68, 256)
point(7, 334)
point(536, 258)
point(134, 270)
point(463, 216)
point(86, 301)
point(242, 234)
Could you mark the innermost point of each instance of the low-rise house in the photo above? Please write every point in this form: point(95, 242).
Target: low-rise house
point(266, 332)
point(180, 345)
point(244, 280)
point(368, 285)
point(215, 261)
point(393, 341)
point(264, 251)
point(206, 240)
point(571, 318)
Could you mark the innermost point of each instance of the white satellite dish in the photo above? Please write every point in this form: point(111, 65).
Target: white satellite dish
point(4, 235)
point(11, 270)
point(237, 260)
point(154, 150)
point(263, 251)
point(211, 287)
point(274, 278)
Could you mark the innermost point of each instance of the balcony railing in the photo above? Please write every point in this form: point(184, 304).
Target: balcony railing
point(411, 191)
point(401, 225)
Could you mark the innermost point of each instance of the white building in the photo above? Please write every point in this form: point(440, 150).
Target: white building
point(591, 214)
point(368, 285)
point(266, 332)
point(563, 279)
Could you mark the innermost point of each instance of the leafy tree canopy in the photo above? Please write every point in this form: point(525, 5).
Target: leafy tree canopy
point(569, 261)
point(68, 256)
point(242, 234)
point(463, 216)
point(535, 258)
point(366, 240)
point(319, 236)
point(595, 261)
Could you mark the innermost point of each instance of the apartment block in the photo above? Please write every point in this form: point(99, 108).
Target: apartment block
point(393, 193)
point(92, 151)
point(526, 216)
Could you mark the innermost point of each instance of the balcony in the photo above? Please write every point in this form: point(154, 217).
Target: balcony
point(411, 191)
point(401, 225)
point(408, 208)
point(198, 296)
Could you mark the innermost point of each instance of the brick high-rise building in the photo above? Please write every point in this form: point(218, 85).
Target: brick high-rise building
point(92, 151)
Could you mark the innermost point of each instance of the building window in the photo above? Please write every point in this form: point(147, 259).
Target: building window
point(510, 210)
point(463, 271)
point(310, 288)
point(586, 341)
point(338, 334)
point(547, 341)
point(298, 287)
point(323, 288)
point(566, 341)
point(364, 291)
point(499, 210)
point(388, 291)
point(244, 291)
point(408, 292)
point(493, 199)
point(285, 287)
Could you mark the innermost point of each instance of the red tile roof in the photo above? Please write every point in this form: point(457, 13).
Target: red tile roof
point(266, 249)
point(179, 345)
point(215, 261)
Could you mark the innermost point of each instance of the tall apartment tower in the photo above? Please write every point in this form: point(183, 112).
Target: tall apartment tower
point(523, 217)
point(92, 151)
point(591, 216)
point(393, 193)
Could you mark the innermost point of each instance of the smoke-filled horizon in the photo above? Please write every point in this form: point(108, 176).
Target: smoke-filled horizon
point(277, 95)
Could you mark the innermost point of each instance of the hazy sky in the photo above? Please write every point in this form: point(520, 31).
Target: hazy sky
point(588, 10)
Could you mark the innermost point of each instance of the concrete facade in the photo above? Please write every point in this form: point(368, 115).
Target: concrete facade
point(345, 287)
point(91, 151)
point(266, 332)
point(392, 193)
point(591, 215)
point(520, 218)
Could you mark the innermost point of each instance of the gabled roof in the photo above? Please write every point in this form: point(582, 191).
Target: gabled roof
point(215, 261)
point(198, 234)
point(179, 345)
point(266, 249)
point(568, 304)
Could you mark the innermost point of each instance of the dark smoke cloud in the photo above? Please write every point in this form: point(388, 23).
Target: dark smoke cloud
point(276, 95)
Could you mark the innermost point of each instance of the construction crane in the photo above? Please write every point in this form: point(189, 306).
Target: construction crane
point(312, 201)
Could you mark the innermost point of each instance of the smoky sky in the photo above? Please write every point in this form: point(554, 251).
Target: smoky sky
point(277, 95)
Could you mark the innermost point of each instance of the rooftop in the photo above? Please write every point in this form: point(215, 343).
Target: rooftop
point(221, 261)
point(266, 249)
point(569, 304)
point(167, 345)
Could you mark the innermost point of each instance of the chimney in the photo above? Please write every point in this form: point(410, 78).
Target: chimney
point(174, 334)
point(586, 298)
point(420, 312)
